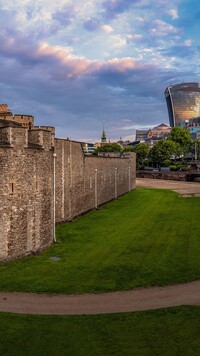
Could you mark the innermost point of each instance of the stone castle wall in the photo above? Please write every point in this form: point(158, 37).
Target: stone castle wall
point(27, 180)
point(85, 182)
point(26, 188)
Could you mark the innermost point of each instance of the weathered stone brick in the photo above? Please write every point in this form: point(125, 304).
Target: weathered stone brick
point(26, 186)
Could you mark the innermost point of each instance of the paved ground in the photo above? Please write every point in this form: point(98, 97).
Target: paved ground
point(186, 189)
point(137, 299)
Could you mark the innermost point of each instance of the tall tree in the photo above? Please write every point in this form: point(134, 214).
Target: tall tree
point(181, 137)
point(142, 153)
point(162, 150)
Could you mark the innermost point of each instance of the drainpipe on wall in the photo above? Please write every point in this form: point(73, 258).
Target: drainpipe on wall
point(129, 179)
point(54, 197)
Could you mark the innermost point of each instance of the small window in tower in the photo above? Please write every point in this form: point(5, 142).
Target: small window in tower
point(11, 187)
point(37, 186)
point(49, 183)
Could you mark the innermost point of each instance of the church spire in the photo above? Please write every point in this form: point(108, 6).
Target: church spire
point(103, 136)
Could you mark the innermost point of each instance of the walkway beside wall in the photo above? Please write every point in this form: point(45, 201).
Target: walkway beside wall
point(185, 189)
point(116, 302)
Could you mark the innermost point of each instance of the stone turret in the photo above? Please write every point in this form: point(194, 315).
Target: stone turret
point(26, 190)
point(5, 111)
point(23, 120)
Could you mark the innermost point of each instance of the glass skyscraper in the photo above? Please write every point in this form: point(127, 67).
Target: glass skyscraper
point(183, 102)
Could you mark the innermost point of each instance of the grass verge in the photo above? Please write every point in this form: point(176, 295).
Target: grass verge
point(174, 331)
point(147, 237)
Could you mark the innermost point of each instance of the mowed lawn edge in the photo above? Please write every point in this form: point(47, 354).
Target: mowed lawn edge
point(146, 237)
point(170, 331)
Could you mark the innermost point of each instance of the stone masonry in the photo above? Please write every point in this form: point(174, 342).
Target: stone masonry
point(28, 156)
point(26, 191)
point(86, 182)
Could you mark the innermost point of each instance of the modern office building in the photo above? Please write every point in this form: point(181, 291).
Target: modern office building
point(183, 102)
point(88, 148)
point(141, 135)
point(193, 125)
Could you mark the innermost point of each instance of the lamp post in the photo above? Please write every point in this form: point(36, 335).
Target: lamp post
point(115, 183)
point(54, 197)
point(95, 189)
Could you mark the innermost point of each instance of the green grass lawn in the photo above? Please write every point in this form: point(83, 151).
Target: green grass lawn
point(174, 331)
point(147, 237)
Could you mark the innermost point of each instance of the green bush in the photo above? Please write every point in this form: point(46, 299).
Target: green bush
point(166, 163)
point(174, 168)
point(178, 167)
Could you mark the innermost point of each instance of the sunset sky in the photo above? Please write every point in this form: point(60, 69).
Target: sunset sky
point(76, 64)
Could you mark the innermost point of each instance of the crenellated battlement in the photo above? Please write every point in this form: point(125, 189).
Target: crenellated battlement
point(40, 137)
point(19, 131)
point(46, 128)
point(21, 137)
point(23, 120)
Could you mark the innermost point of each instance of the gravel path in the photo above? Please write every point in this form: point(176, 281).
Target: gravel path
point(186, 189)
point(115, 302)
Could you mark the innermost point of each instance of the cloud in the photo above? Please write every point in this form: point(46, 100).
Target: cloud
point(188, 43)
point(73, 64)
point(182, 51)
point(126, 120)
point(61, 62)
point(118, 41)
point(92, 25)
point(140, 19)
point(58, 80)
point(162, 28)
point(107, 28)
point(111, 8)
point(134, 38)
point(65, 15)
point(173, 13)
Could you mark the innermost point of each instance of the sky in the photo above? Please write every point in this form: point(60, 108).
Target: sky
point(77, 65)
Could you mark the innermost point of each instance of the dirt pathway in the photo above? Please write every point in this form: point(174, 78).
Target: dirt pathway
point(133, 300)
point(186, 189)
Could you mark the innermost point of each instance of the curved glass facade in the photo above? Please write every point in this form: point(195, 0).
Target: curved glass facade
point(183, 102)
